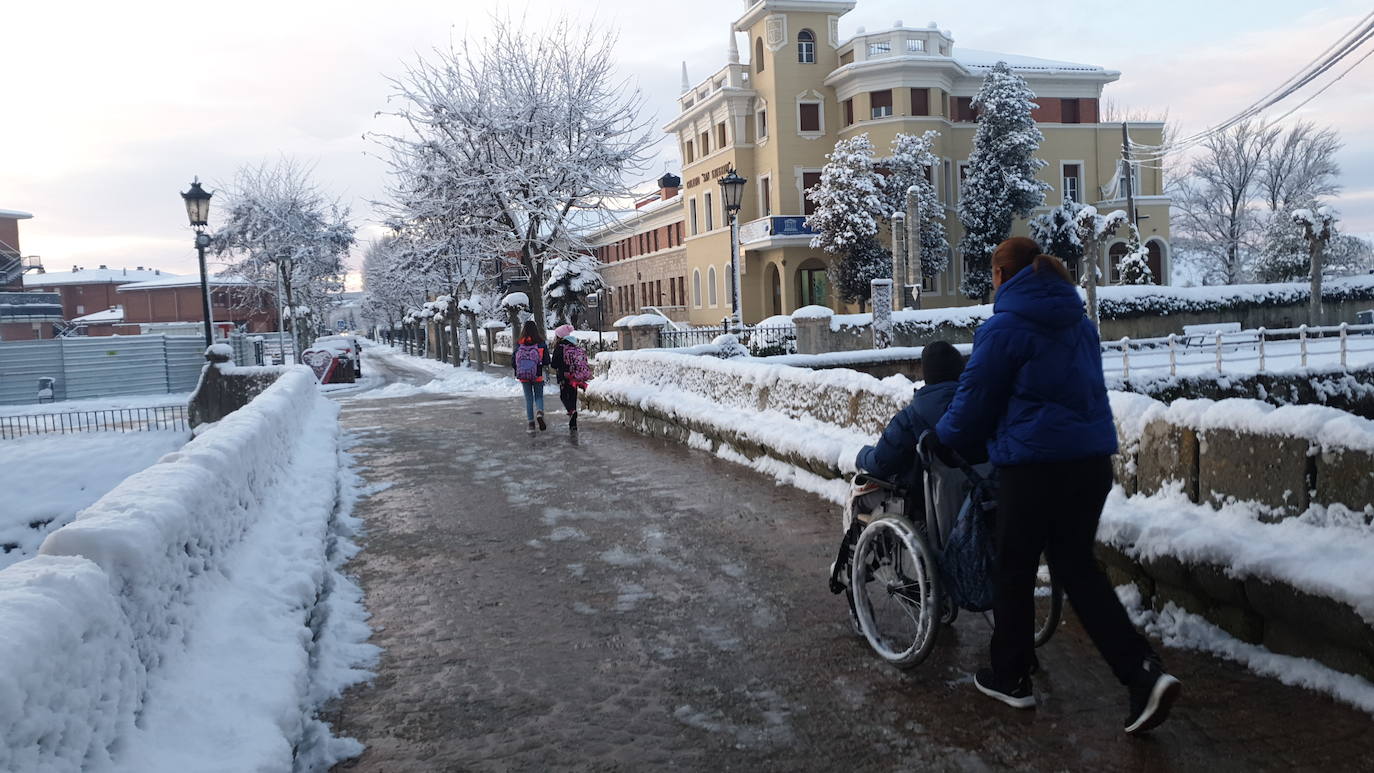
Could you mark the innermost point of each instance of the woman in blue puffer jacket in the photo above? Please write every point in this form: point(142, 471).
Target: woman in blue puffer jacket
point(1033, 391)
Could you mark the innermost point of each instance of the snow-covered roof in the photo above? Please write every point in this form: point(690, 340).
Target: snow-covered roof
point(93, 276)
point(973, 58)
point(14, 214)
point(114, 314)
point(182, 281)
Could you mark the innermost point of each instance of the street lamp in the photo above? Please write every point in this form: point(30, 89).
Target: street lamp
point(198, 212)
point(731, 192)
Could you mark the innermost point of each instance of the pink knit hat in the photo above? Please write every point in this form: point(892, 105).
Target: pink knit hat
point(562, 331)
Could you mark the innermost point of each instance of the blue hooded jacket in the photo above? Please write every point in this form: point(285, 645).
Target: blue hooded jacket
point(1033, 389)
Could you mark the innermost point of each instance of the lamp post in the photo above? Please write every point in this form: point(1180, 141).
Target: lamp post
point(198, 212)
point(731, 192)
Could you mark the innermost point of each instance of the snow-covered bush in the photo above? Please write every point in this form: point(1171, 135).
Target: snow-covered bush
point(571, 279)
point(730, 347)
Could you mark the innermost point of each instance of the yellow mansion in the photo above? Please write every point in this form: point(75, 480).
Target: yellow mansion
point(775, 117)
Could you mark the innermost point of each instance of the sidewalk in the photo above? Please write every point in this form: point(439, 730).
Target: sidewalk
point(612, 602)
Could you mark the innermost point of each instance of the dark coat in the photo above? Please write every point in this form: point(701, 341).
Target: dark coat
point(894, 457)
point(1033, 390)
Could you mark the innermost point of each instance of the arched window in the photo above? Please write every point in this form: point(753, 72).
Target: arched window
point(775, 288)
point(696, 288)
point(711, 286)
point(1156, 259)
point(758, 54)
point(806, 47)
point(1114, 255)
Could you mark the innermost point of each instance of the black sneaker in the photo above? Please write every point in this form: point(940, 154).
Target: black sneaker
point(539, 419)
point(1018, 695)
point(1152, 695)
point(572, 422)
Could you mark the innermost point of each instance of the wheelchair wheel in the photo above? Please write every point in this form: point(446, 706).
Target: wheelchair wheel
point(1049, 604)
point(896, 591)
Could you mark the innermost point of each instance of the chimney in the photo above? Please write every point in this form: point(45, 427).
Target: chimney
point(140, 268)
point(158, 272)
point(668, 186)
point(75, 268)
point(102, 266)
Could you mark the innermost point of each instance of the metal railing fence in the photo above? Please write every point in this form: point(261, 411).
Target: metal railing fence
point(149, 419)
point(1343, 346)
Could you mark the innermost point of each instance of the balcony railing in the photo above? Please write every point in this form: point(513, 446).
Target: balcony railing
point(774, 225)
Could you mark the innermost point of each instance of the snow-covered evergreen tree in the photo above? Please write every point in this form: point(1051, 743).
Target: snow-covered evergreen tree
point(1134, 268)
point(1283, 255)
point(571, 279)
point(849, 198)
point(1001, 182)
point(864, 262)
point(1057, 232)
point(906, 168)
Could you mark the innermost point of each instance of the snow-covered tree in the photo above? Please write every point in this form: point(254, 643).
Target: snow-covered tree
point(1057, 232)
point(851, 276)
point(1300, 167)
point(519, 135)
point(1001, 182)
point(1134, 268)
point(388, 289)
point(906, 168)
point(849, 199)
point(279, 226)
point(571, 280)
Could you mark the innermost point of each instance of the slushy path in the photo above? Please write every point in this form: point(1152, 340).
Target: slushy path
point(619, 603)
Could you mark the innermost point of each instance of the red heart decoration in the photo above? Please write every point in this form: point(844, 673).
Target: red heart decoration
point(322, 362)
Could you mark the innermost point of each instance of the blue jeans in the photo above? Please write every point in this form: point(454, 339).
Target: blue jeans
point(534, 398)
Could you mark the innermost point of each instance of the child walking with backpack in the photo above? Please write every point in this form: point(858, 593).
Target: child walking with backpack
point(572, 370)
point(529, 359)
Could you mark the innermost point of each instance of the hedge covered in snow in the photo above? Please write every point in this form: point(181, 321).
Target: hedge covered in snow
point(203, 566)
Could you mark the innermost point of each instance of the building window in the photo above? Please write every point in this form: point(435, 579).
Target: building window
point(880, 103)
point(812, 289)
point(765, 196)
point(963, 109)
point(963, 176)
point(809, 181)
point(692, 215)
point(1068, 111)
point(658, 292)
point(879, 48)
point(1072, 183)
point(758, 54)
point(806, 47)
point(705, 144)
point(849, 112)
point(915, 46)
point(809, 116)
point(761, 125)
point(920, 101)
point(687, 152)
point(711, 286)
point(696, 288)
point(846, 58)
point(710, 215)
point(720, 135)
point(682, 289)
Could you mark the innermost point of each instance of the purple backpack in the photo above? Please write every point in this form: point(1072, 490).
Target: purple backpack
point(528, 359)
point(575, 360)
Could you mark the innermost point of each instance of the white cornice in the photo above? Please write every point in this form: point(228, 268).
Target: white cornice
point(729, 96)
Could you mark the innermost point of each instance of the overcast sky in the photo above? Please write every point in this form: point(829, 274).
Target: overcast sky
point(111, 108)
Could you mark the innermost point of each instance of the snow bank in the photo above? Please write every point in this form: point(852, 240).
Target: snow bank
point(1327, 429)
point(193, 583)
point(70, 682)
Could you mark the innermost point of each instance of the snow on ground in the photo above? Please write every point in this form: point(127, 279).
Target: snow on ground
point(495, 381)
point(98, 404)
point(49, 478)
point(194, 616)
point(1185, 630)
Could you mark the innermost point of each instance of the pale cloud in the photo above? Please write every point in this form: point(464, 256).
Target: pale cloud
point(114, 106)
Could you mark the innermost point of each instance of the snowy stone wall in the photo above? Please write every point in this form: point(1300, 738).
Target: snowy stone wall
point(116, 597)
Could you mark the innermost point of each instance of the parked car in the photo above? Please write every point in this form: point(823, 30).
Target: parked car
point(348, 346)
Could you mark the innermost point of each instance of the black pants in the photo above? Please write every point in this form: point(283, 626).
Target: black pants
point(1054, 508)
point(568, 394)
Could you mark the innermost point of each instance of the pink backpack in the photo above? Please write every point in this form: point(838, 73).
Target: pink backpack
point(575, 360)
point(528, 358)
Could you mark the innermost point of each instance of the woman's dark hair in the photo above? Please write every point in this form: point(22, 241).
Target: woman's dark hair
point(530, 331)
point(1018, 252)
point(941, 362)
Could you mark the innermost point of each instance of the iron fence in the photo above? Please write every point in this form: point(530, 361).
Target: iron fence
point(170, 418)
point(761, 339)
point(1342, 346)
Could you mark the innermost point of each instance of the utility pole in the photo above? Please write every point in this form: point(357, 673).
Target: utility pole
point(1130, 177)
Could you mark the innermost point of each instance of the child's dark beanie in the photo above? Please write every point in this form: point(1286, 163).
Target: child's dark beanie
point(940, 362)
